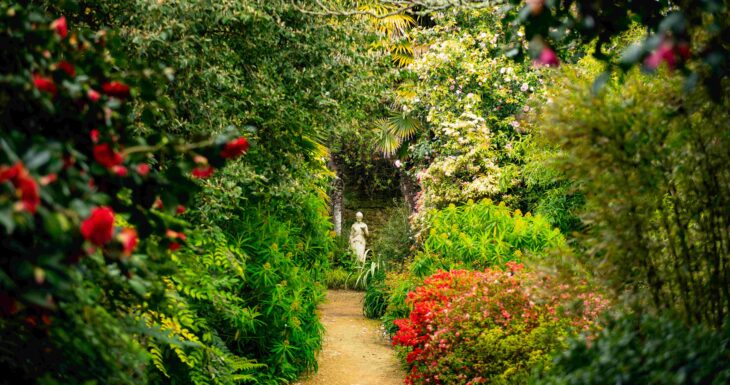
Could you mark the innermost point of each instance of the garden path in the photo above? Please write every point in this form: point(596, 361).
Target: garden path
point(355, 351)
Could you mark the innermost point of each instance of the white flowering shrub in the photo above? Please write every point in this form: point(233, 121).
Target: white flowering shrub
point(472, 99)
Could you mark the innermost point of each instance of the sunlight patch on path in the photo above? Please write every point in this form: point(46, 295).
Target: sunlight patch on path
point(355, 351)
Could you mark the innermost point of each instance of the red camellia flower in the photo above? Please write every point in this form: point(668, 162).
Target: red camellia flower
point(547, 58)
point(99, 227)
point(128, 238)
point(25, 186)
point(10, 173)
point(44, 84)
point(116, 89)
point(143, 169)
point(235, 148)
point(120, 171)
point(174, 246)
point(67, 68)
point(203, 172)
point(29, 193)
point(106, 156)
point(60, 26)
point(180, 209)
point(94, 135)
point(93, 95)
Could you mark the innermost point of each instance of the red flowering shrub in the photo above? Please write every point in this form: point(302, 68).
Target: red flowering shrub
point(495, 326)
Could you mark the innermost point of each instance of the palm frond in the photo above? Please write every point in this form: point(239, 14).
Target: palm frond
point(386, 141)
point(404, 126)
point(401, 60)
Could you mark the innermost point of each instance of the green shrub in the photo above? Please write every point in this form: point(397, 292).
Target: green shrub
point(480, 235)
point(652, 162)
point(340, 278)
point(649, 350)
point(394, 240)
point(376, 297)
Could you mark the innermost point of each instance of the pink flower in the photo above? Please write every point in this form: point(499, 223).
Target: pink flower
point(120, 171)
point(60, 26)
point(143, 169)
point(128, 238)
point(93, 95)
point(663, 54)
point(547, 58)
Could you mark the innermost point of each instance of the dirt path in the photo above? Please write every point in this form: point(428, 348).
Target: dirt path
point(354, 351)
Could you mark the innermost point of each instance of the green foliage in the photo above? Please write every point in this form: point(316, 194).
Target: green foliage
point(256, 290)
point(644, 349)
point(365, 173)
point(376, 297)
point(480, 235)
point(394, 239)
point(340, 278)
point(651, 161)
point(548, 192)
point(209, 315)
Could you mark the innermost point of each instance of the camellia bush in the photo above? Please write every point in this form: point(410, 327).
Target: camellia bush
point(494, 326)
point(87, 206)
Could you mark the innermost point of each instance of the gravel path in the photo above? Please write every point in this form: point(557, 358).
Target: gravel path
point(355, 351)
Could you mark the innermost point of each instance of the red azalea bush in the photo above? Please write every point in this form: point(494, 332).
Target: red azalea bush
point(469, 327)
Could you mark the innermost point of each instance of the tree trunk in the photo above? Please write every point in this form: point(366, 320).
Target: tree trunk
point(337, 196)
point(409, 190)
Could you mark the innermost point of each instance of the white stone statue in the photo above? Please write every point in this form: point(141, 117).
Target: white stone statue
point(358, 233)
